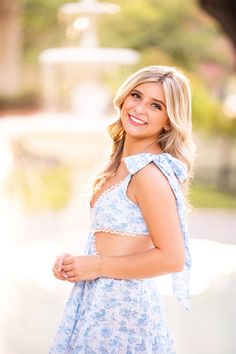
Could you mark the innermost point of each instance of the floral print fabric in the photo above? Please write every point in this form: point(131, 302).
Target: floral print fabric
point(112, 316)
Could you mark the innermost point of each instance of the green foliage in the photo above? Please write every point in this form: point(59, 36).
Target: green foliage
point(38, 190)
point(175, 27)
point(207, 111)
point(41, 27)
point(206, 197)
point(169, 32)
point(174, 33)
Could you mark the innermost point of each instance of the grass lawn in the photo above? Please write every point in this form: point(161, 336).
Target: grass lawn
point(50, 189)
point(205, 197)
point(41, 189)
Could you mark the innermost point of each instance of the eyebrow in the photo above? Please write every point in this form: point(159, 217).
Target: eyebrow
point(154, 99)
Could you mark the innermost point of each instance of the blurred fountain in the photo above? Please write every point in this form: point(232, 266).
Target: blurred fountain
point(72, 76)
point(72, 87)
point(29, 241)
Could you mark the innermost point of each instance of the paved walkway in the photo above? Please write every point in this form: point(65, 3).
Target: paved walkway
point(213, 224)
point(32, 301)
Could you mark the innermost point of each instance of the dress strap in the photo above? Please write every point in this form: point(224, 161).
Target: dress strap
point(167, 163)
point(175, 171)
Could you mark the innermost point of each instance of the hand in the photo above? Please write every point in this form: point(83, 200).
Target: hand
point(80, 268)
point(57, 267)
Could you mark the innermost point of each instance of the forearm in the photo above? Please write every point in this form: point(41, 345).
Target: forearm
point(143, 265)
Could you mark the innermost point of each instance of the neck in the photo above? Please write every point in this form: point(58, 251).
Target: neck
point(133, 147)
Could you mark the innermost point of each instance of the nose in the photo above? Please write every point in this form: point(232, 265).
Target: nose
point(140, 108)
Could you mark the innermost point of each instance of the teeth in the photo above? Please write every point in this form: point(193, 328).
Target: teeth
point(136, 120)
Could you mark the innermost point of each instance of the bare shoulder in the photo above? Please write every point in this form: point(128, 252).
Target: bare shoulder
point(151, 175)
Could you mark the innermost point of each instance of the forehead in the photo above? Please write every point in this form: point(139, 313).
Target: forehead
point(151, 90)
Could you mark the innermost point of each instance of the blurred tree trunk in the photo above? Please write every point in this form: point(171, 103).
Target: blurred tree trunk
point(10, 47)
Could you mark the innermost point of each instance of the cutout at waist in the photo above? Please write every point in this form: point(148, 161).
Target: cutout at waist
point(113, 244)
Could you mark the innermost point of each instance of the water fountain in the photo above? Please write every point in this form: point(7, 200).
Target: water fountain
point(80, 69)
point(30, 241)
point(77, 143)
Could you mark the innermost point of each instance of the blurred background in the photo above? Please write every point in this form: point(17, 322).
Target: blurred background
point(60, 64)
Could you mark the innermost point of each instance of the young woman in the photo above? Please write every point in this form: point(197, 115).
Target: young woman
point(138, 228)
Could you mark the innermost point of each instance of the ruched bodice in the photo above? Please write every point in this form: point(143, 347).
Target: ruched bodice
point(114, 212)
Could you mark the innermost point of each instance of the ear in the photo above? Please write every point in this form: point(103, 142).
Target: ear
point(166, 127)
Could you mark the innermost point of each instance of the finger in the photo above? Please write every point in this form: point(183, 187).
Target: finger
point(71, 274)
point(59, 277)
point(55, 268)
point(60, 260)
point(67, 268)
point(72, 279)
point(58, 274)
point(68, 260)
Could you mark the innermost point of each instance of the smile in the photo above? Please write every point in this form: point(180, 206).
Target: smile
point(136, 121)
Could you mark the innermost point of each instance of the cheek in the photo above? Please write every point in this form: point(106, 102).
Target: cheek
point(124, 109)
point(163, 118)
point(128, 103)
point(159, 120)
point(122, 112)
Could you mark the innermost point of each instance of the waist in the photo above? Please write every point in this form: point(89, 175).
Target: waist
point(115, 244)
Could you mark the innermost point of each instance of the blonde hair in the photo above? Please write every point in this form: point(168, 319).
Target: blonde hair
point(177, 141)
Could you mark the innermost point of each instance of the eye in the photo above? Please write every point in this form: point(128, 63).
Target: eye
point(156, 106)
point(135, 95)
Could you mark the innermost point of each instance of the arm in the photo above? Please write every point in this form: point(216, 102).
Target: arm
point(152, 192)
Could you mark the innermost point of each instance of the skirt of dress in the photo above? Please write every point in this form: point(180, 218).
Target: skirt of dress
point(111, 316)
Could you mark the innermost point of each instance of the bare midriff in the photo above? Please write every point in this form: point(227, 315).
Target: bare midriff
point(111, 244)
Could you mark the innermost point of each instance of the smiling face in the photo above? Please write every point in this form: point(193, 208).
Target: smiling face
point(143, 113)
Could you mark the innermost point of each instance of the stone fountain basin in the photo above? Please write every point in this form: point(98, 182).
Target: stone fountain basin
point(63, 136)
point(74, 9)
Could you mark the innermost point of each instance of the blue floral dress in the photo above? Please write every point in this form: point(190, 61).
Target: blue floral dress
point(112, 316)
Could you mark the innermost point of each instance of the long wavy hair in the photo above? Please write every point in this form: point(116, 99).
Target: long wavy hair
point(177, 141)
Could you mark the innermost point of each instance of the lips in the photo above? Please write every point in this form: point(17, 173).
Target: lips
point(136, 121)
